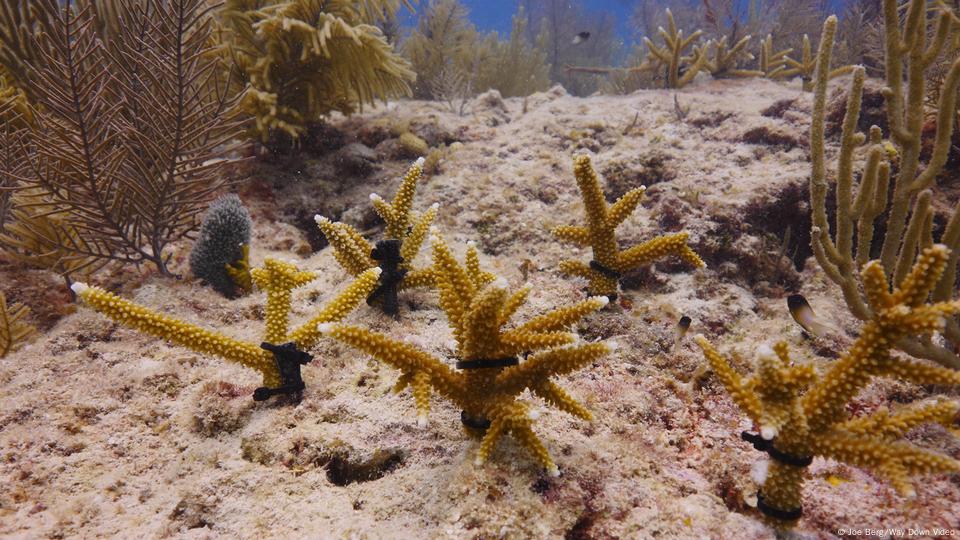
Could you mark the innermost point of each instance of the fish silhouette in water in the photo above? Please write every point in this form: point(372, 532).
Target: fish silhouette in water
point(581, 37)
point(801, 312)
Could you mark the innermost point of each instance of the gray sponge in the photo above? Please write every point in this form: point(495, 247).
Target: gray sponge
point(224, 232)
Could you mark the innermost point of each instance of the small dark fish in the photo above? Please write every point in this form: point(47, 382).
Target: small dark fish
point(801, 312)
point(581, 37)
point(681, 331)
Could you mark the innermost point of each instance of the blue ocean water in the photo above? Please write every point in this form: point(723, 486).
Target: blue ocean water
point(495, 15)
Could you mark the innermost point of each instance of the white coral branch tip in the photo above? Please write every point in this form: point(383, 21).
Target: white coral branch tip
point(434, 206)
point(420, 161)
point(375, 197)
point(604, 300)
point(79, 287)
point(553, 471)
point(613, 345)
point(321, 219)
point(768, 432)
point(325, 327)
point(422, 421)
point(377, 271)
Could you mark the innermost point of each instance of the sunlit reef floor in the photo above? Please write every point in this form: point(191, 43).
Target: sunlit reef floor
point(105, 432)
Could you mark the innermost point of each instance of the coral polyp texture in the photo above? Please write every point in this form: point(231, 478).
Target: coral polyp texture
point(609, 261)
point(278, 357)
point(802, 414)
point(405, 233)
point(489, 375)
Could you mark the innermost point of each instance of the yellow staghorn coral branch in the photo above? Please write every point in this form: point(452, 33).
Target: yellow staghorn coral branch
point(278, 279)
point(396, 214)
point(796, 426)
point(573, 234)
point(550, 363)
point(550, 392)
point(562, 318)
point(402, 356)
point(680, 69)
point(490, 375)
point(405, 233)
point(418, 233)
point(891, 426)
point(191, 336)
point(624, 207)
point(745, 398)
point(351, 252)
point(306, 335)
point(609, 262)
point(271, 358)
point(513, 303)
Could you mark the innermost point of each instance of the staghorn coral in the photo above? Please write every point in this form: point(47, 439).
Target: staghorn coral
point(13, 331)
point(609, 261)
point(802, 414)
point(772, 63)
point(680, 69)
point(726, 58)
point(849, 247)
point(805, 66)
point(302, 59)
point(279, 357)
point(220, 256)
point(404, 235)
point(489, 376)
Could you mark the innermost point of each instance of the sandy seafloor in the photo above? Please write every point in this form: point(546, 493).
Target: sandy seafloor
point(108, 433)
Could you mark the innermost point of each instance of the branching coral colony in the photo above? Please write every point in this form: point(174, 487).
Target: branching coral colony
point(280, 355)
point(489, 375)
point(609, 262)
point(394, 255)
point(802, 414)
point(907, 51)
